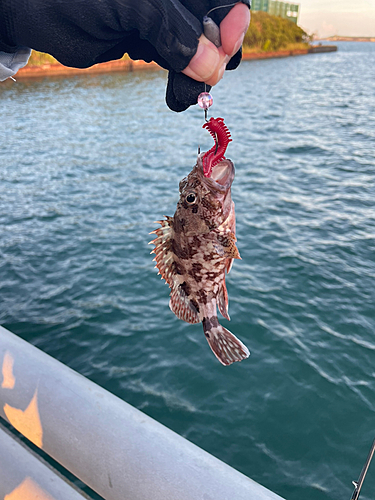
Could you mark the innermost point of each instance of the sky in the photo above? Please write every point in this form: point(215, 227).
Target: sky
point(337, 17)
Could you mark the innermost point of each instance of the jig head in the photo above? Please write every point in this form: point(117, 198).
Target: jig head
point(221, 135)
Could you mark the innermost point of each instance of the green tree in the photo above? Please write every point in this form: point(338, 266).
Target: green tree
point(270, 33)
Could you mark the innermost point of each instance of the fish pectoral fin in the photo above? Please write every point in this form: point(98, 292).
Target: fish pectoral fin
point(222, 301)
point(226, 347)
point(228, 245)
point(182, 306)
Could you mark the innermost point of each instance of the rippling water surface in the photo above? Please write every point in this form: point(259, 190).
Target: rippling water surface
point(88, 163)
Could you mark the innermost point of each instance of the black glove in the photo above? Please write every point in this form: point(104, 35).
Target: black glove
point(81, 33)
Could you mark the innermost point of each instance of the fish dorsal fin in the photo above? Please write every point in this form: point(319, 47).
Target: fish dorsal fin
point(222, 301)
point(163, 254)
point(182, 306)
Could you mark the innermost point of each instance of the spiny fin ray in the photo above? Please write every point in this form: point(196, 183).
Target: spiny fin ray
point(163, 254)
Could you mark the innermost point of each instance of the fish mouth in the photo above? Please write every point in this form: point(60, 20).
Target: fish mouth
point(222, 174)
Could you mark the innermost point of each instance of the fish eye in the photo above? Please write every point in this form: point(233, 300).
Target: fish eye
point(190, 198)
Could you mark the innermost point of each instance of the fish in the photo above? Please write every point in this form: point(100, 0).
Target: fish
point(195, 249)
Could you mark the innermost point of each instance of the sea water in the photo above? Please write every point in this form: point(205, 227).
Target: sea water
point(88, 163)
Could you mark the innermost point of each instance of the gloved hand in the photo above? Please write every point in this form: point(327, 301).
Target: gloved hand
point(182, 91)
point(81, 33)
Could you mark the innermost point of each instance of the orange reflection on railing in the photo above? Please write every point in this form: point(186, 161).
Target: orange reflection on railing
point(7, 371)
point(27, 422)
point(28, 490)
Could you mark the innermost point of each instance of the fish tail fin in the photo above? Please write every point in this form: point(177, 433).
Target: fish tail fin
point(226, 346)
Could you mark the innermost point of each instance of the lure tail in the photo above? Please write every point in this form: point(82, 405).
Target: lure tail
point(221, 135)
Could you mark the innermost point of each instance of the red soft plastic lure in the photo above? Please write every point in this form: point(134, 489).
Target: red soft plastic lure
point(221, 134)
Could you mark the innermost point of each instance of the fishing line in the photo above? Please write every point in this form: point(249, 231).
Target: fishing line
point(212, 32)
point(222, 7)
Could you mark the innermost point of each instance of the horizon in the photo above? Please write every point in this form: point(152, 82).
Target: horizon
point(350, 18)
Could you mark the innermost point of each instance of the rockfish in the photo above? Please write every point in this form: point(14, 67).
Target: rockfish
point(195, 248)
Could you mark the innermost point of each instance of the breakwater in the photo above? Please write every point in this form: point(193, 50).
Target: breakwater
point(57, 69)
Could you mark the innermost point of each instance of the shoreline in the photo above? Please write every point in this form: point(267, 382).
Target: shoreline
point(57, 69)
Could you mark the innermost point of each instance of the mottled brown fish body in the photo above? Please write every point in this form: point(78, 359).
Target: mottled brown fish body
point(195, 249)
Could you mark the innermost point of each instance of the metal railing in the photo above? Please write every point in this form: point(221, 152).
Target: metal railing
point(115, 449)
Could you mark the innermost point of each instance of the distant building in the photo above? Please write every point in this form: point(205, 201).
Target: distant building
point(283, 9)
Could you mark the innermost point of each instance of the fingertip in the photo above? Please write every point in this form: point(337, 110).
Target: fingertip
point(217, 75)
point(233, 28)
